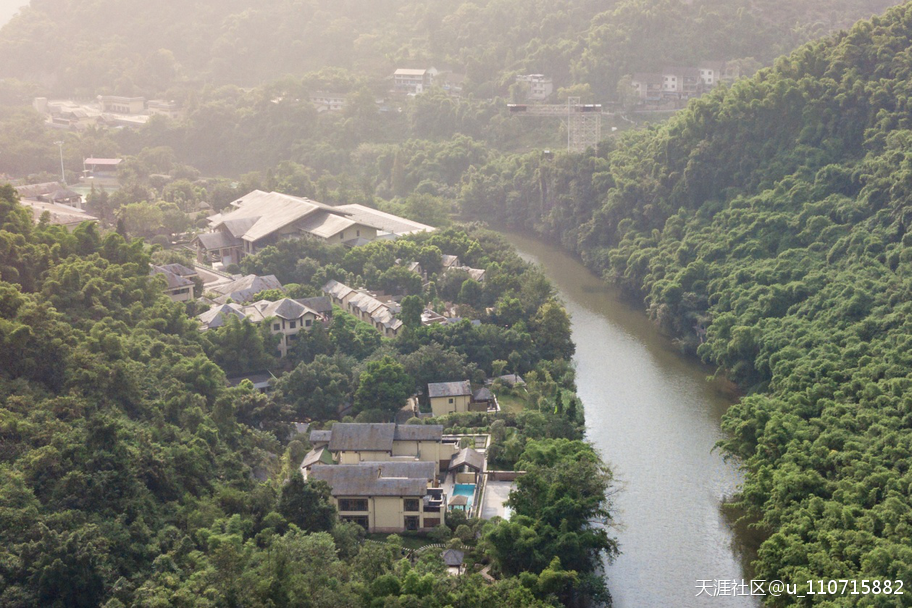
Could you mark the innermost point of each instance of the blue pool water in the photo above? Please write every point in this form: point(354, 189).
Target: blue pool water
point(465, 489)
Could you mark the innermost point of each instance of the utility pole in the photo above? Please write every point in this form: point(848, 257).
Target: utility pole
point(62, 172)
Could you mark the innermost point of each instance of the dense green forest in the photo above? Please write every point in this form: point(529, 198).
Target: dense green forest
point(131, 474)
point(767, 228)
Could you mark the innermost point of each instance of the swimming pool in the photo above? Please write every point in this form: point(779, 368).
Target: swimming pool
point(465, 489)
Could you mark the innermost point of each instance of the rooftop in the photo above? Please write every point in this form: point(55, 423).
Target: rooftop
point(245, 288)
point(266, 212)
point(449, 389)
point(409, 72)
point(470, 457)
point(321, 304)
point(172, 279)
point(112, 162)
point(367, 479)
point(374, 436)
point(383, 221)
point(419, 432)
point(63, 215)
point(367, 437)
point(218, 315)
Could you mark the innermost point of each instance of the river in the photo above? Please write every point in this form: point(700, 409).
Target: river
point(655, 418)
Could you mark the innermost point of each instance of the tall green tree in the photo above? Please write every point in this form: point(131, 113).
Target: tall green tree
point(383, 385)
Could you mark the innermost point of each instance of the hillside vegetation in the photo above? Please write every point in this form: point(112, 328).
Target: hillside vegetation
point(133, 47)
point(767, 227)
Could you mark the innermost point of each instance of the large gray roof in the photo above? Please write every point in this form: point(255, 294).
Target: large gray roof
point(449, 389)
point(172, 279)
point(413, 469)
point(180, 270)
point(269, 211)
point(321, 304)
point(336, 289)
point(375, 436)
point(217, 316)
point(382, 220)
point(244, 288)
point(419, 432)
point(320, 436)
point(286, 308)
point(366, 479)
point(367, 437)
point(240, 226)
point(216, 240)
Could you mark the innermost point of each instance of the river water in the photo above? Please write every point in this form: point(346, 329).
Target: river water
point(655, 418)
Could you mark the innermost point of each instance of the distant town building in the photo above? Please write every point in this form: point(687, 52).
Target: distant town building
point(328, 102)
point(411, 81)
point(100, 167)
point(681, 82)
point(122, 105)
point(61, 215)
point(51, 192)
point(677, 84)
point(649, 86)
point(540, 87)
point(161, 107)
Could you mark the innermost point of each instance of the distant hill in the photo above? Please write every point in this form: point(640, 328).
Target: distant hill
point(139, 47)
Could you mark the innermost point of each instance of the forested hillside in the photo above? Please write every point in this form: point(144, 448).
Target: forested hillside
point(767, 228)
point(131, 474)
point(134, 47)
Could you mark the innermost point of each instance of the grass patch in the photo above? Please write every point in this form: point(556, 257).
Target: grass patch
point(510, 403)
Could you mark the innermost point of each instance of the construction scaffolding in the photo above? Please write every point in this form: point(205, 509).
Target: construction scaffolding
point(583, 121)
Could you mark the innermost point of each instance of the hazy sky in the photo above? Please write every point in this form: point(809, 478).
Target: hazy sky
point(8, 8)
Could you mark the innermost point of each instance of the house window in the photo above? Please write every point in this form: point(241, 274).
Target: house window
point(431, 522)
point(411, 504)
point(450, 400)
point(357, 233)
point(341, 235)
point(308, 323)
point(276, 327)
point(360, 520)
point(292, 324)
point(353, 504)
point(411, 522)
